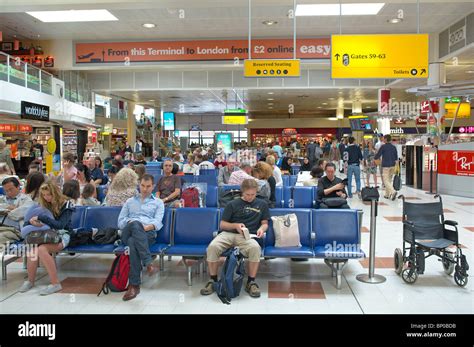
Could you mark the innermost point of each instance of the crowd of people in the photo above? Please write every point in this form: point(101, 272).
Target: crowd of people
point(143, 200)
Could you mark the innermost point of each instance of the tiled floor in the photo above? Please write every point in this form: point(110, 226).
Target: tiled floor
point(286, 286)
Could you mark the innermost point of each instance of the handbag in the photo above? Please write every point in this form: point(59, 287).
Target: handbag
point(397, 182)
point(40, 237)
point(334, 202)
point(286, 231)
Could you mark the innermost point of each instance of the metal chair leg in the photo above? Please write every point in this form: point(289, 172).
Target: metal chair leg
point(162, 262)
point(190, 275)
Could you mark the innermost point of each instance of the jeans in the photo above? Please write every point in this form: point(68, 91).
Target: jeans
point(353, 169)
point(138, 240)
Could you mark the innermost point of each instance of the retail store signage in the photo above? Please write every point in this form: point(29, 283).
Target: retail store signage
point(379, 56)
point(422, 120)
point(397, 131)
point(43, 131)
point(464, 110)
point(235, 120)
point(466, 130)
point(33, 111)
point(155, 51)
point(452, 99)
point(458, 163)
point(108, 128)
point(289, 132)
point(425, 107)
point(272, 68)
point(8, 128)
point(399, 121)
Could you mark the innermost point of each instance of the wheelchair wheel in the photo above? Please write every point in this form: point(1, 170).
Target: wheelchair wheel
point(410, 275)
point(448, 266)
point(398, 261)
point(460, 279)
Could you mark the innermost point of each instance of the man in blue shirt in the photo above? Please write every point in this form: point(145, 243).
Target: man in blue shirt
point(277, 148)
point(389, 155)
point(141, 217)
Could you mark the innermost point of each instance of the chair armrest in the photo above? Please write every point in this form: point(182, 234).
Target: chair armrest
point(451, 222)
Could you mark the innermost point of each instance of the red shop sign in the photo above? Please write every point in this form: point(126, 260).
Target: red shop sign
point(8, 128)
point(425, 107)
point(289, 131)
point(457, 163)
point(25, 128)
point(422, 120)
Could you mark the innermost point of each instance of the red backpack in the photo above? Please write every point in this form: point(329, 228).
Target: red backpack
point(117, 279)
point(190, 196)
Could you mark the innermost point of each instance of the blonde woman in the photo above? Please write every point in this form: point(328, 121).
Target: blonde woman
point(61, 209)
point(264, 171)
point(123, 187)
point(276, 170)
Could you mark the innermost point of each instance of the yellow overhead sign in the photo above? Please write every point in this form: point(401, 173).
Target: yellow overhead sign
point(272, 68)
point(379, 56)
point(464, 110)
point(234, 119)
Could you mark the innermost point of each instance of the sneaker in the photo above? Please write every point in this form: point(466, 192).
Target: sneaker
point(253, 289)
point(50, 289)
point(27, 285)
point(208, 289)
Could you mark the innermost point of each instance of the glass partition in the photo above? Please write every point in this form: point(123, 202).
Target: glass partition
point(33, 78)
point(17, 71)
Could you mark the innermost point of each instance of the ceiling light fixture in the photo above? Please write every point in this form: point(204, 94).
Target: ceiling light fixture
point(270, 99)
point(395, 20)
point(324, 103)
point(363, 9)
point(470, 71)
point(269, 22)
point(270, 93)
point(73, 16)
point(149, 25)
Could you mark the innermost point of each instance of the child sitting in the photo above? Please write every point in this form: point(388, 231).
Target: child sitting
point(88, 197)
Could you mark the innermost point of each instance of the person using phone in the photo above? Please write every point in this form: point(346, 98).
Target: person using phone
point(332, 190)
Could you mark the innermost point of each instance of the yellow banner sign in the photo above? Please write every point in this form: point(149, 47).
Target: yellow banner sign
point(272, 68)
point(234, 119)
point(379, 56)
point(464, 110)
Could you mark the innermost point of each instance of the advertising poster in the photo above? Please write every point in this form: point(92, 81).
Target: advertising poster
point(168, 121)
point(224, 142)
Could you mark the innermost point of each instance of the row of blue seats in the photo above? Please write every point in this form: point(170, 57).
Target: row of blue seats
point(333, 235)
point(303, 197)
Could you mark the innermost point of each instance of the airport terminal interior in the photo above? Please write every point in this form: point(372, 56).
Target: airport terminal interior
point(331, 140)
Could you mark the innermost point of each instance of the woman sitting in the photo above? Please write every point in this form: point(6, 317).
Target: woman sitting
point(88, 197)
point(316, 174)
point(61, 209)
point(123, 187)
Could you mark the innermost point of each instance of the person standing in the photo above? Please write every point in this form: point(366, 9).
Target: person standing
point(369, 163)
point(140, 218)
point(5, 156)
point(277, 148)
point(354, 158)
point(310, 152)
point(389, 155)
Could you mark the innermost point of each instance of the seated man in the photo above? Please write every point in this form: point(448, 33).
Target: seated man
point(239, 176)
point(246, 212)
point(141, 217)
point(168, 188)
point(331, 186)
point(14, 204)
point(225, 172)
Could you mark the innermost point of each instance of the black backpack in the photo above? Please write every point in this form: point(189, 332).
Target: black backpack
point(105, 236)
point(232, 276)
point(228, 196)
point(80, 238)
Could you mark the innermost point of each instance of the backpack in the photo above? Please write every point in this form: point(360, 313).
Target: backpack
point(117, 279)
point(228, 196)
point(232, 276)
point(190, 196)
point(80, 238)
point(105, 236)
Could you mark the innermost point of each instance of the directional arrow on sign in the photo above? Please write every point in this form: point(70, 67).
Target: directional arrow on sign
point(423, 71)
point(337, 56)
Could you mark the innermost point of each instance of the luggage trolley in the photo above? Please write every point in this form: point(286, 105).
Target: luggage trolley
point(428, 233)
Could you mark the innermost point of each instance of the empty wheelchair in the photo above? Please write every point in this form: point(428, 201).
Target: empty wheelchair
point(426, 233)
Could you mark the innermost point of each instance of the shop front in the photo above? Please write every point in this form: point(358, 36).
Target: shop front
point(285, 136)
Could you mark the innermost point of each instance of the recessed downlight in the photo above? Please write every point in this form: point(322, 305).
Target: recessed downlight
point(149, 25)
